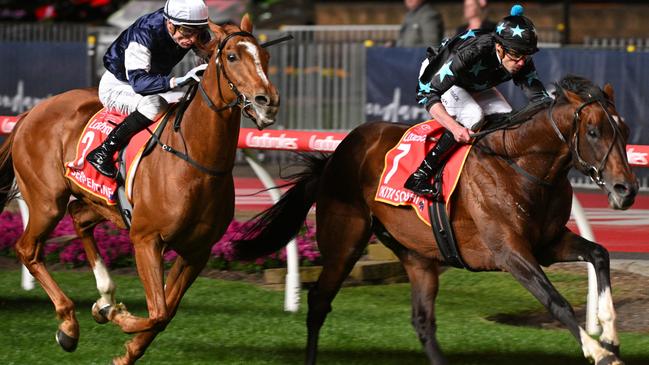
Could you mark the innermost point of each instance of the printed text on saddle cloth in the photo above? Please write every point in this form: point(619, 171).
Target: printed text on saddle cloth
point(95, 132)
point(404, 158)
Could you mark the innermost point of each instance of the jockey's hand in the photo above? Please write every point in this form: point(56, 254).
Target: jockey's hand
point(461, 134)
point(192, 77)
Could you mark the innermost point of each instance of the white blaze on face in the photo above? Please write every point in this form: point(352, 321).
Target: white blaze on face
point(254, 53)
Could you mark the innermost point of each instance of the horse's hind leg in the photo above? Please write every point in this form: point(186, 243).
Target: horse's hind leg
point(572, 247)
point(85, 220)
point(524, 267)
point(46, 208)
point(423, 274)
point(343, 233)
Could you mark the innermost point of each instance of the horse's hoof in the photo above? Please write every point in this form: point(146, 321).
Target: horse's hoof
point(66, 342)
point(615, 349)
point(100, 314)
point(610, 360)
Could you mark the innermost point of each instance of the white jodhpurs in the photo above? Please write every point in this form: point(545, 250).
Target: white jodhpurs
point(119, 96)
point(469, 109)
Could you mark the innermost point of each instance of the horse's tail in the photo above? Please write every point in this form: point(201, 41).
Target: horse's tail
point(276, 226)
point(8, 191)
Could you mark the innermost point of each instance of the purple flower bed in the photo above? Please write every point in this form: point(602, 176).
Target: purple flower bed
point(116, 250)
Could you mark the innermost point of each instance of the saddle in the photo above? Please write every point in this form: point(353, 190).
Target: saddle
point(404, 158)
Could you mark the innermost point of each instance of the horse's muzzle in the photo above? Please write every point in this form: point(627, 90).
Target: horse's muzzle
point(264, 115)
point(622, 195)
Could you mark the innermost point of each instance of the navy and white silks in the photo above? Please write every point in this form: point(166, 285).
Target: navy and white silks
point(139, 64)
point(463, 75)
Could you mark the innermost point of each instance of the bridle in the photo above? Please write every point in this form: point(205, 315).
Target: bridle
point(595, 173)
point(240, 100)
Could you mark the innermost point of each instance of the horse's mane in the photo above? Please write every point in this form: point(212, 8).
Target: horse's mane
point(583, 87)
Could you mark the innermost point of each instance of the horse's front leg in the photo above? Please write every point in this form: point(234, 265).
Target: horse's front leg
point(572, 247)
point(179, 279)
point(148, 259)
point(85, 220)
point(524, 267)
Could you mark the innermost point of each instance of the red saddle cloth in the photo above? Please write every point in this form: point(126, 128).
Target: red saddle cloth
point(95, 132)
point(402, 160)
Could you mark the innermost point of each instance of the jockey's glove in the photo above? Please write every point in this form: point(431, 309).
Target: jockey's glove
point(193, 76)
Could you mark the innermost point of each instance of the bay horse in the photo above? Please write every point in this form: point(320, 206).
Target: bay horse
point(176, 205)
point(510, 211)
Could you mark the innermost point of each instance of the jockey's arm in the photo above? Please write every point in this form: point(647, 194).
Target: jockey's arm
point(439, 113)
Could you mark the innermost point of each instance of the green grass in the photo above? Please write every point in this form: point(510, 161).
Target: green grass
point(237, 323)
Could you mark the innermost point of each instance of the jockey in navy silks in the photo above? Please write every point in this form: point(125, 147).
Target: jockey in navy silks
point(138, 64)
point(457, 85)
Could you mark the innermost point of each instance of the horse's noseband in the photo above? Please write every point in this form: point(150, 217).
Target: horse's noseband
point(595, 173)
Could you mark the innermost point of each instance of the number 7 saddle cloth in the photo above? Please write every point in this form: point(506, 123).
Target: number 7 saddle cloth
point(404, 158)
point(85, 176)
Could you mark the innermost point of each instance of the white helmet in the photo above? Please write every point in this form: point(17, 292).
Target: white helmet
point(186, 12)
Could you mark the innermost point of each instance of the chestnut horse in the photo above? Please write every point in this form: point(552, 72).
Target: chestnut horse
point(176, 205)
point(511, 207)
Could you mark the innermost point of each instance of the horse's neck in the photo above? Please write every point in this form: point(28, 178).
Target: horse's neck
point(535, 146)
point(211, 137)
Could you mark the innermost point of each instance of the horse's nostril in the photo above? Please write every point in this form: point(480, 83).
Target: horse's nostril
point(262, 100)
point(623, 189)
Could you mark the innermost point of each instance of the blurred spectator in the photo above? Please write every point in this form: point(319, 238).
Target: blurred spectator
point(422, 26)
point(475, 14)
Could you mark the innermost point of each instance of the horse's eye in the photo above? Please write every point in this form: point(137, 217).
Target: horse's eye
point(593, 133)
point(232, 57)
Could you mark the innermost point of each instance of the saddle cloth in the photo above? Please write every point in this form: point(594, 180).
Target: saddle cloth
point(404, 158)
point(85, 176)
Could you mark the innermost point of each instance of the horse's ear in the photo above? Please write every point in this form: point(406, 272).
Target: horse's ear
point(608, 90)
point(246, 24)
point(572, 97)
point(219, 33)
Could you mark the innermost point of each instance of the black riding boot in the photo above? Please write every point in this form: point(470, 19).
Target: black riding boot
point(419, 181)
point(102, 157)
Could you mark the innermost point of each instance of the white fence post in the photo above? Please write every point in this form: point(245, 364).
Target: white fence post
point(592, 323)
point(292, 285)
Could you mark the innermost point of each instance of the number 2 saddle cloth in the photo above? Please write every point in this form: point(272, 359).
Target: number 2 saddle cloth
point(97, 129)
point(404, 158)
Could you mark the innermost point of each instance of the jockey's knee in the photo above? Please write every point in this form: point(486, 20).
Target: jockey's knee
point(471, 115)
point(152, 106)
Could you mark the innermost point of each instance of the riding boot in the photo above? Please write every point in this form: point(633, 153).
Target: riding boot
point(102, 157)
point(419, 181)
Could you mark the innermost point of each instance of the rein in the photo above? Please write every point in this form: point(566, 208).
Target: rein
point(573, 144)
point(240, 100)
point(504, 122)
